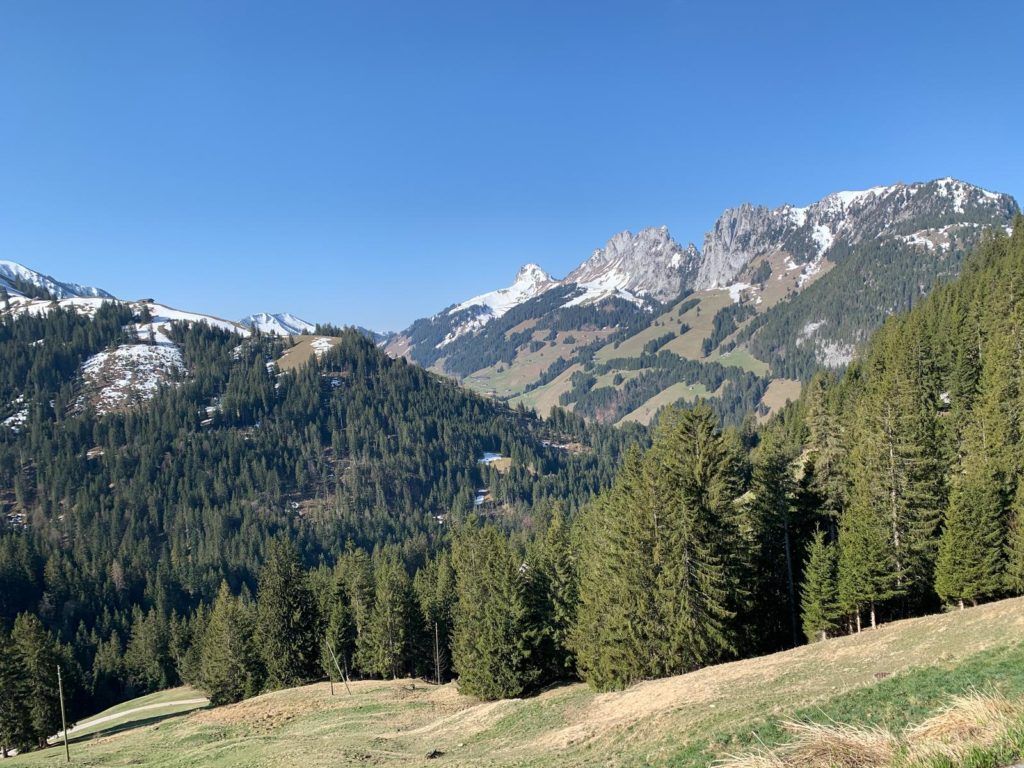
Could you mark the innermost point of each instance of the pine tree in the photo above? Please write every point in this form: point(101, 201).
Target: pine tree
point(339, 641)
point(1015, 546)
point(694, 487)
point(15, 727)
point(895, 466)
point(493, 641)
point(39, 655)
point(970, 565)
point(617, 620)
point(288, 624)
point(557, 578)
point(384, 649)
point(819, 599)
point(229, 666)
point(434, 586)
point(827, 446)
point(656, 593)
point(770, 533)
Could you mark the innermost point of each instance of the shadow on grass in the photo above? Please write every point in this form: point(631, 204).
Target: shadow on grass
point(112, 728)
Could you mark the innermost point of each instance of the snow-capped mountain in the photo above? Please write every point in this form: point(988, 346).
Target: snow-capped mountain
point(843, 219)
point(19, 280)
point(649, 264)
point(816, 278)
point(641, 269)
point(281, 324)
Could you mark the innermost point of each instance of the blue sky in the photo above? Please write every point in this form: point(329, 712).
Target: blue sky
point(371, 162)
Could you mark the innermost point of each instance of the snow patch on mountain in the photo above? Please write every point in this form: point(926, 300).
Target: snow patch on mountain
point(11, 273)
point(128, 375)
point(530, 281)
point(19, 418)
point(280, 324)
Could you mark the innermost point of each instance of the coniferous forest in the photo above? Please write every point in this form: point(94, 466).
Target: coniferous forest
point(249, 530)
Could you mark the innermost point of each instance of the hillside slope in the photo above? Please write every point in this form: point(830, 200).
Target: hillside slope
point(892, 676)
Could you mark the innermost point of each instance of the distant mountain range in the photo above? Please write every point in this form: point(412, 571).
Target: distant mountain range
point(771, 295)
point(772, 292)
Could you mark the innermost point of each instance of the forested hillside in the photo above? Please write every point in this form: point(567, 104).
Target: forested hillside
point(117, 528)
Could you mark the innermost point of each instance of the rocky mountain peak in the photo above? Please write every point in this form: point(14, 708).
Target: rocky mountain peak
point(807, 234)
point(647, 264)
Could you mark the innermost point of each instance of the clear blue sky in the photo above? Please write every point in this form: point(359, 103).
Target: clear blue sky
point(370, 162)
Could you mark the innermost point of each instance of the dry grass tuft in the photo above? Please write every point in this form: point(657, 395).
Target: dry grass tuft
point(839, 746)
point(972, 721)
point(969, 721)
point(825, 746)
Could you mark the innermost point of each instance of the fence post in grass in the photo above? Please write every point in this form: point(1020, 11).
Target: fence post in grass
point(63, 718)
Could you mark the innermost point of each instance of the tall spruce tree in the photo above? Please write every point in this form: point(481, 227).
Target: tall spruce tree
point(493, 642)
point(385, 648)
point(657, 590)
point(40, 654)
point(770, 616)
point(819, 598)
point(971, 561)
point(15, 702)
point(434, 586)
point(617, 625)
point(287, 629)
point(229, 666)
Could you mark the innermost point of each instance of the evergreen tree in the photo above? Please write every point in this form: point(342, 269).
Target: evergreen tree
point(553, 585)
point(229, 665)
point(288, 624)
point(770, 531)
point(493, 642)
point(384, 649)
point(339, 641)
point(617, 620)
point(15, 726)
point(39, 655)
point(970, 565)
point(819, 600)
point(434, 586)
point(656, 593)
point(1015, 547)
point(148, 659)
point(694, 489)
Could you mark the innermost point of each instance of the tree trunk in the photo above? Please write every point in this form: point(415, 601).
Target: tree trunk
point(858, 621)
point(874, 621)
point(960, 602)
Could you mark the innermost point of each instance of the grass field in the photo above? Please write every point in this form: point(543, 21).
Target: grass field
point(892, 677)
point(780, 392)
point(504, 380)
point(544, 398)
point(304, 349)
point(668, 396)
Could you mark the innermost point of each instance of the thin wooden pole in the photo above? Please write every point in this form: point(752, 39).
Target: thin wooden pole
point(63, 718)
point(344, 673)
point(437, 655)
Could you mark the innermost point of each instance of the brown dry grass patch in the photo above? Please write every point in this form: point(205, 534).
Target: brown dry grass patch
point(967, 722)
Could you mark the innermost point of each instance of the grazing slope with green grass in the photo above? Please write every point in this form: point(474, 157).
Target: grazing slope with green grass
point(893, 686)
